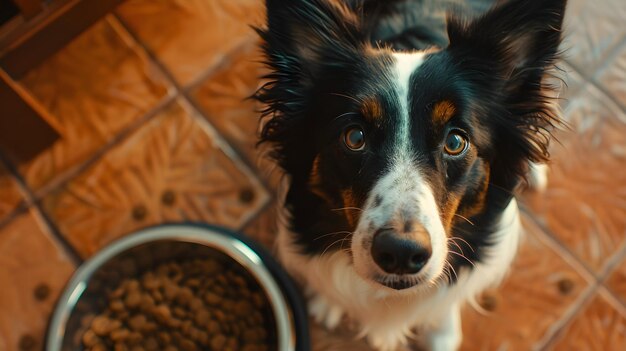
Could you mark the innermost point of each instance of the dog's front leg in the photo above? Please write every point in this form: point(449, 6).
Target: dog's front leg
point(324, 311)
point(447, 335)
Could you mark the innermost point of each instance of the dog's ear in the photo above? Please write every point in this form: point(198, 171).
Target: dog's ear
point(520, 37)
point(308, 33)
point(508, 52)
point(302, 39)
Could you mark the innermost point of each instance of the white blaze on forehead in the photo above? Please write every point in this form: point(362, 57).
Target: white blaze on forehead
point(404, 188)
point(405, 65)
point(402, 194)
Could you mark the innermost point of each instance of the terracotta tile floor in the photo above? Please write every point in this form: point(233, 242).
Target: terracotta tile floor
point(150, 105)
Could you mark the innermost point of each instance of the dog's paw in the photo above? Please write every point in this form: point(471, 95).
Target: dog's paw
point(391, 341)
point(538, 176)
point(324, 312)
point(445, 342)
point(448, 334)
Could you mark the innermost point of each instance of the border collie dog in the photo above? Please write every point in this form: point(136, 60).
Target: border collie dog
point(403, 144)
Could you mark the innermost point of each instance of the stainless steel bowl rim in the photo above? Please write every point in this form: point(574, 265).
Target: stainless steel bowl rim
point(231, 246)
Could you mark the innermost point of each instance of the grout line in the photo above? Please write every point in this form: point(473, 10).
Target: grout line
point(40, 214)
point(597, 66)
point(31, 199)
point(557, 329)
point(611, 263)
point(612, 300)
point(572, 258)
point(14, 213)
point(557, 245)
point(23, 204)
point(590, 78)
point(599, 292)
point(224, 62)
point(612, 268)
point(221, 141)
point(195, 112)
point(554, 333)
point(64, 176)
point(122, 135)
point(266, 206)
point(184, 95)
point(266, 195)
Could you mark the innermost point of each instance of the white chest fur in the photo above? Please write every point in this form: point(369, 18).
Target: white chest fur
point(384, 316)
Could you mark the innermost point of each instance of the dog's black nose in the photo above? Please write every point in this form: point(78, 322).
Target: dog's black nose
point(398, 255)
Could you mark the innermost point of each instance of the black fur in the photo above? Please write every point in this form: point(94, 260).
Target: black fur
point(325, 59)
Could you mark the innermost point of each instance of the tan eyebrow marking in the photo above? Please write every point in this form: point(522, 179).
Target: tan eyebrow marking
point(350, 203)
point(443, 111)
point(315, 181)
point(371, 108)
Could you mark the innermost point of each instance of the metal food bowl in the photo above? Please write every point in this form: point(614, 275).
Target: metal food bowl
point(130, 256)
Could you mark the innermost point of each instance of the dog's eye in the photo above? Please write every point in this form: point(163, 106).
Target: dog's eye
point(354, 138)
point(456, 143)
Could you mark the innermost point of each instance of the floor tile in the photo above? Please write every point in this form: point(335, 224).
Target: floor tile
point(10, 196)
point(93, 88)
point(170, 170)
point(599, 327)
point(190, 36)
point(616, 281)
point(592, 31)
point(33, 270)
point(612, 77)
point(585, 202)
point(338, 340)
point(223, 98)
point(568, 82)
point(539, 290)
point(264, 228)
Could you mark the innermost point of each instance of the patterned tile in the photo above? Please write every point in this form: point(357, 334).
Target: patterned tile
point(223, 98)
point(93, 88)
point(568, 81)
point(585, 202)
point(190, 36)
point(10, 196)
point(170, 170)
point(612, 77)
point(599, 327)
point(338, 340)
point(539, 290)
point(33, 270)
point(264, 227)
point(616, 282)
point(592, 31)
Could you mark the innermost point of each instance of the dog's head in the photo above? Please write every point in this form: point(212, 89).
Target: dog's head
point(393, 156)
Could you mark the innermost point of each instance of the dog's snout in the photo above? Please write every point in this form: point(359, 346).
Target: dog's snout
point(398, 255)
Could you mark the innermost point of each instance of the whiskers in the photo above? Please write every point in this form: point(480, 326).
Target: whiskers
point(341, 241)
point(465, 219)
point(453, 240)
point(464, 257)
point(460, 253)
point(333, 233)
point(448, 270)
point(347, 208)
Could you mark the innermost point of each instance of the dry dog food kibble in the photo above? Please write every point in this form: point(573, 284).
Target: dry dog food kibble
point(201, 304)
